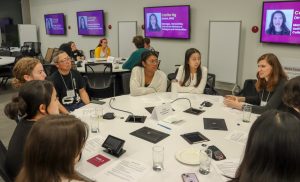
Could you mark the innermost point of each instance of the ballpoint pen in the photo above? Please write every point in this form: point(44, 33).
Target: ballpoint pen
point(164, 126)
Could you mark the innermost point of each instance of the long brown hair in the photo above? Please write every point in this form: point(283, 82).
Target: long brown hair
point(52, 146)
point(23, 67)
point(277, 73)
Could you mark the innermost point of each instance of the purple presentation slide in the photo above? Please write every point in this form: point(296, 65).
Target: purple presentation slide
point(90, 22)
point(167, 22)
point(55, 24)
point(281, 22)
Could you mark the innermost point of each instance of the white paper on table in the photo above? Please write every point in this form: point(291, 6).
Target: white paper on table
point(124, 170)
point(237, 136)
point(173, 119)
point(226, 167)
point(93, 146)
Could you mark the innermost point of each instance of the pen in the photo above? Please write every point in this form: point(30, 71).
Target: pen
point(164, 126)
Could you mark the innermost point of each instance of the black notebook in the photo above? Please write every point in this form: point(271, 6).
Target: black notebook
point(214, 124)
point(149, 134)
point(195, 137)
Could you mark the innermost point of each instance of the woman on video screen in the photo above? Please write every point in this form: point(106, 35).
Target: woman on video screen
point(277, 24)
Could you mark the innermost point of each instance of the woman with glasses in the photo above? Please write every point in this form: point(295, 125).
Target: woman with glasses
point(145, 78)
point(191, 77)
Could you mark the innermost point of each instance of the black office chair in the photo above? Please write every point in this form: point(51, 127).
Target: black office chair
point(5, 51)
point(32, 49)
point(172, 76)
point(210, 85)
point(100, 80)
point(92, 53)
point(49, 69)
point(126, 82)
point(3, 172)
point(248, 88)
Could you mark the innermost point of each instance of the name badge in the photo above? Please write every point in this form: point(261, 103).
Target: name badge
point(263, 103)
point(70, 93)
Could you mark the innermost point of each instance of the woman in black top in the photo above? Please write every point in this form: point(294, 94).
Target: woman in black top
point(272, 154)
point(76, 54)
point(291, 96)
point(35, 100)
point(270, 83)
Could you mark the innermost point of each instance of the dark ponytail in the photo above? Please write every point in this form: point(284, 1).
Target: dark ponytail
point(31, 95)
point(17, 107)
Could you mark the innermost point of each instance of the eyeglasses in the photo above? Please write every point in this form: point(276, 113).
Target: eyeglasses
point(153, 62)
point(65, 60)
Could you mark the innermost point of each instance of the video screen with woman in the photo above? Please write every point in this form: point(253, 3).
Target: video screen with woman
point(281, 22)
point(154, 22)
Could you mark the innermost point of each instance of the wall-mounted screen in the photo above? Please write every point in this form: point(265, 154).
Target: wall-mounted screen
point(91, 22)
point(167, 22)
point(281, 22)
point(55, 24)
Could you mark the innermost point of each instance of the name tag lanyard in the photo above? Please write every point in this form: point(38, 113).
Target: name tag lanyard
point(73, 86)
point(263, 103)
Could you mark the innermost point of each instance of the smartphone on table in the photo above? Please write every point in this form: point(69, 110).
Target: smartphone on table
point(189, 177)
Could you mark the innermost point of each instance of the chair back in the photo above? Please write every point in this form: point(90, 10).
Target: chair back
point(210, 85)
point(100, 81)
point(248, 88)
point(49, 69)
point(5, 51)
point(49, 54)
point(103, 68)
point(3, 172)
point(126, 82)
point(92, 53)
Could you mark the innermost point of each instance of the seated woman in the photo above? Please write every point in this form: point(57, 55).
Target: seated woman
point(46, 157)
point(102, 50)
point(271, 154)
point(291, 96)
point(27, 69)
point(191, 76)
point(35, 100)
point(76, 54)
point(270, 83)
point(145, 78)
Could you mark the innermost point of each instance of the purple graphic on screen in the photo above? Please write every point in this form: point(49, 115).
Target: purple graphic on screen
point(55, 24)
point(281, 22)
point(90, 22)
point(167, 22)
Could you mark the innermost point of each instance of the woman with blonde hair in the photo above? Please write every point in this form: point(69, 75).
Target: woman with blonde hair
point(27, 69)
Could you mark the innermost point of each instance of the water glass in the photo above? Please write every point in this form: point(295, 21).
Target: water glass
point(158, 158)
point(205, 161)
point(247, 109)
point(94, 123)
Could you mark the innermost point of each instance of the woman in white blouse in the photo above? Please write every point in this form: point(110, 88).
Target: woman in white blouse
point(145, 78)
point(191, 77)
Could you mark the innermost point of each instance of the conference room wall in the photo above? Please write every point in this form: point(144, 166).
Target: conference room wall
point(171, 50)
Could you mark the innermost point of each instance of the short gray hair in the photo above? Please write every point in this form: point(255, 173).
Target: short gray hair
point(56, 54)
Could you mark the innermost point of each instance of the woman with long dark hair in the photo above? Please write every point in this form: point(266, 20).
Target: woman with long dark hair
point(52, 149)
point(192, 76)
point(277, 24)
point(35, 100)
point(146, 78)
point(271, 79)
point(272, 150)
point(153, 23)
